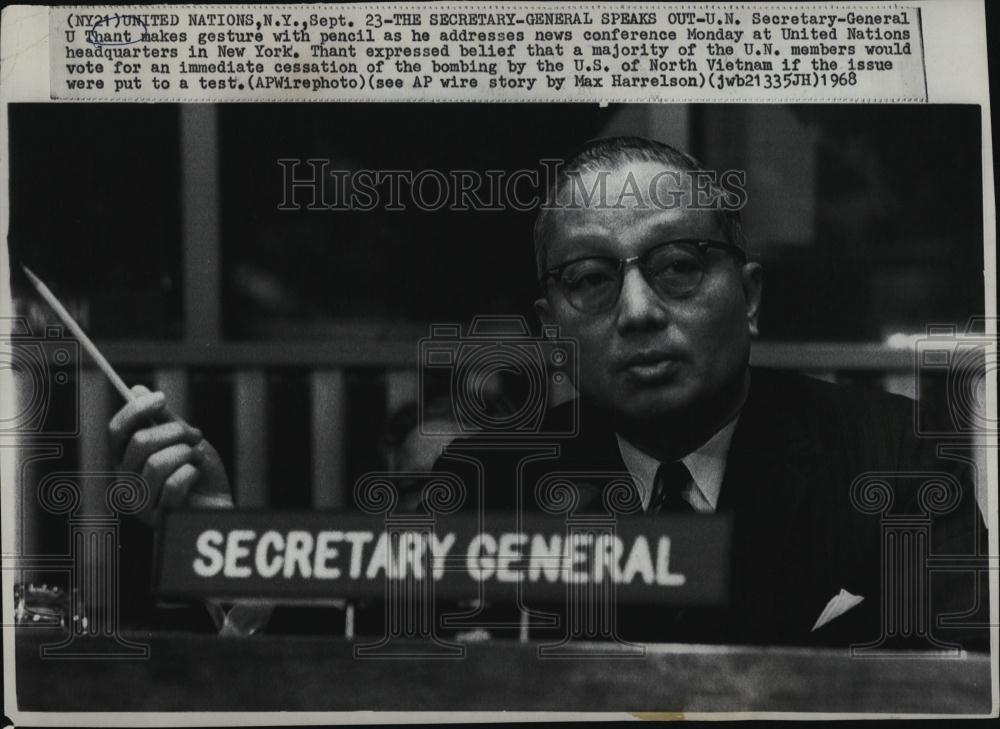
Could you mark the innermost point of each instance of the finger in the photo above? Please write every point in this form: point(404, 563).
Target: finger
point(162, 464)
point(133, 415)
point(177, 487)
point(147, 441)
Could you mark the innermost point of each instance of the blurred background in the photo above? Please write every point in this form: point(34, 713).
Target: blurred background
point(290, 337)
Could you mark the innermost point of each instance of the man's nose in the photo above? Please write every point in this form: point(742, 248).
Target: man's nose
point(639, 306)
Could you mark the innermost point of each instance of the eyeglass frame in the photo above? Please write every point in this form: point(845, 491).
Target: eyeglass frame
point(556, 272)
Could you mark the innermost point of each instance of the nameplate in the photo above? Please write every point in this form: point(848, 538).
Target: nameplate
point(682, 560)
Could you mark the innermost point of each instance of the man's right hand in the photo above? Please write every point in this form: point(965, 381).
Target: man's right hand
point(180, 467)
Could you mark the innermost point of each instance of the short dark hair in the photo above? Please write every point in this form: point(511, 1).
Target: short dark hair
point(610, 153)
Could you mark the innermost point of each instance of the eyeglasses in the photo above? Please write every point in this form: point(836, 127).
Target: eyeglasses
point(674, 269)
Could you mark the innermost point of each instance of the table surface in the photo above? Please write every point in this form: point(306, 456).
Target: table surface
point(186, 672)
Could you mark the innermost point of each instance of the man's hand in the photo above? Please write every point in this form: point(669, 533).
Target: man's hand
point(180, 467)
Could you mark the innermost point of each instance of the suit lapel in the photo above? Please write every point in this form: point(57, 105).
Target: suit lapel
point(770, 461)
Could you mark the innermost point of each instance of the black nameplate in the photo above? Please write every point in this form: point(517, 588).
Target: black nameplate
point(680, 559)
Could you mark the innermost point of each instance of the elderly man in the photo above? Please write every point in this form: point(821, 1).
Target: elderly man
point(657, 291)
point(650, 277)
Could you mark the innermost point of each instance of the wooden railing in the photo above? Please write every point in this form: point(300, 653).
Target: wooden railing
point(395, 363)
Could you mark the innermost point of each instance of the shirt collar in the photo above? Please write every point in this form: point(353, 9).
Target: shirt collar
point(707, 465)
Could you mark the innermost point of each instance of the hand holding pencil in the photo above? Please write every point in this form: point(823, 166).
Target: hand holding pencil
point(180, 467)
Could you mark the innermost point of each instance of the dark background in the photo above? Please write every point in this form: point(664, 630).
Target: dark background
point(868, 218)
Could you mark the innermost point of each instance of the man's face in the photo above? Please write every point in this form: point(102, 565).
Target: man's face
point(647, 356)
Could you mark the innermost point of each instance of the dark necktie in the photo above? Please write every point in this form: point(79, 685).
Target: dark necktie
point(670, 482)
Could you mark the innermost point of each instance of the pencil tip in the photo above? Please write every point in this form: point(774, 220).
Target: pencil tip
point(30, 275)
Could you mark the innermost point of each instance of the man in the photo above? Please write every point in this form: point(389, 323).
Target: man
point(651, 279)
point(658, 294)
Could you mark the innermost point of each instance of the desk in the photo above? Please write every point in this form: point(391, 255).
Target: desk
point(188, 672)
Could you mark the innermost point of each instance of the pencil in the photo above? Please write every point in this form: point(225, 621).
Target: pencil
point(80, 335)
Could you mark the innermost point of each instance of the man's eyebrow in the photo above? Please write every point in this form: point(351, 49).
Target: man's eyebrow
point(583, 230)
point(586, 241)
point(583, 245)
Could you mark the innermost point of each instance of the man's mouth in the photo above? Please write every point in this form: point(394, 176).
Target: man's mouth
point(650, 367)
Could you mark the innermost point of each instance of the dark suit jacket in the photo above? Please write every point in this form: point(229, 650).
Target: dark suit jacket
point(797, 537)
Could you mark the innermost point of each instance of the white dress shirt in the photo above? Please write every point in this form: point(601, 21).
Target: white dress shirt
point(707, 466)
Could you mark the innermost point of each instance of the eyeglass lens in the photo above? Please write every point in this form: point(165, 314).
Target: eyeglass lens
point(673, 270)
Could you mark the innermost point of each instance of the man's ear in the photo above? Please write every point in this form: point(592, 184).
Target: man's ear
point(753, 275)
point(543, 310)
